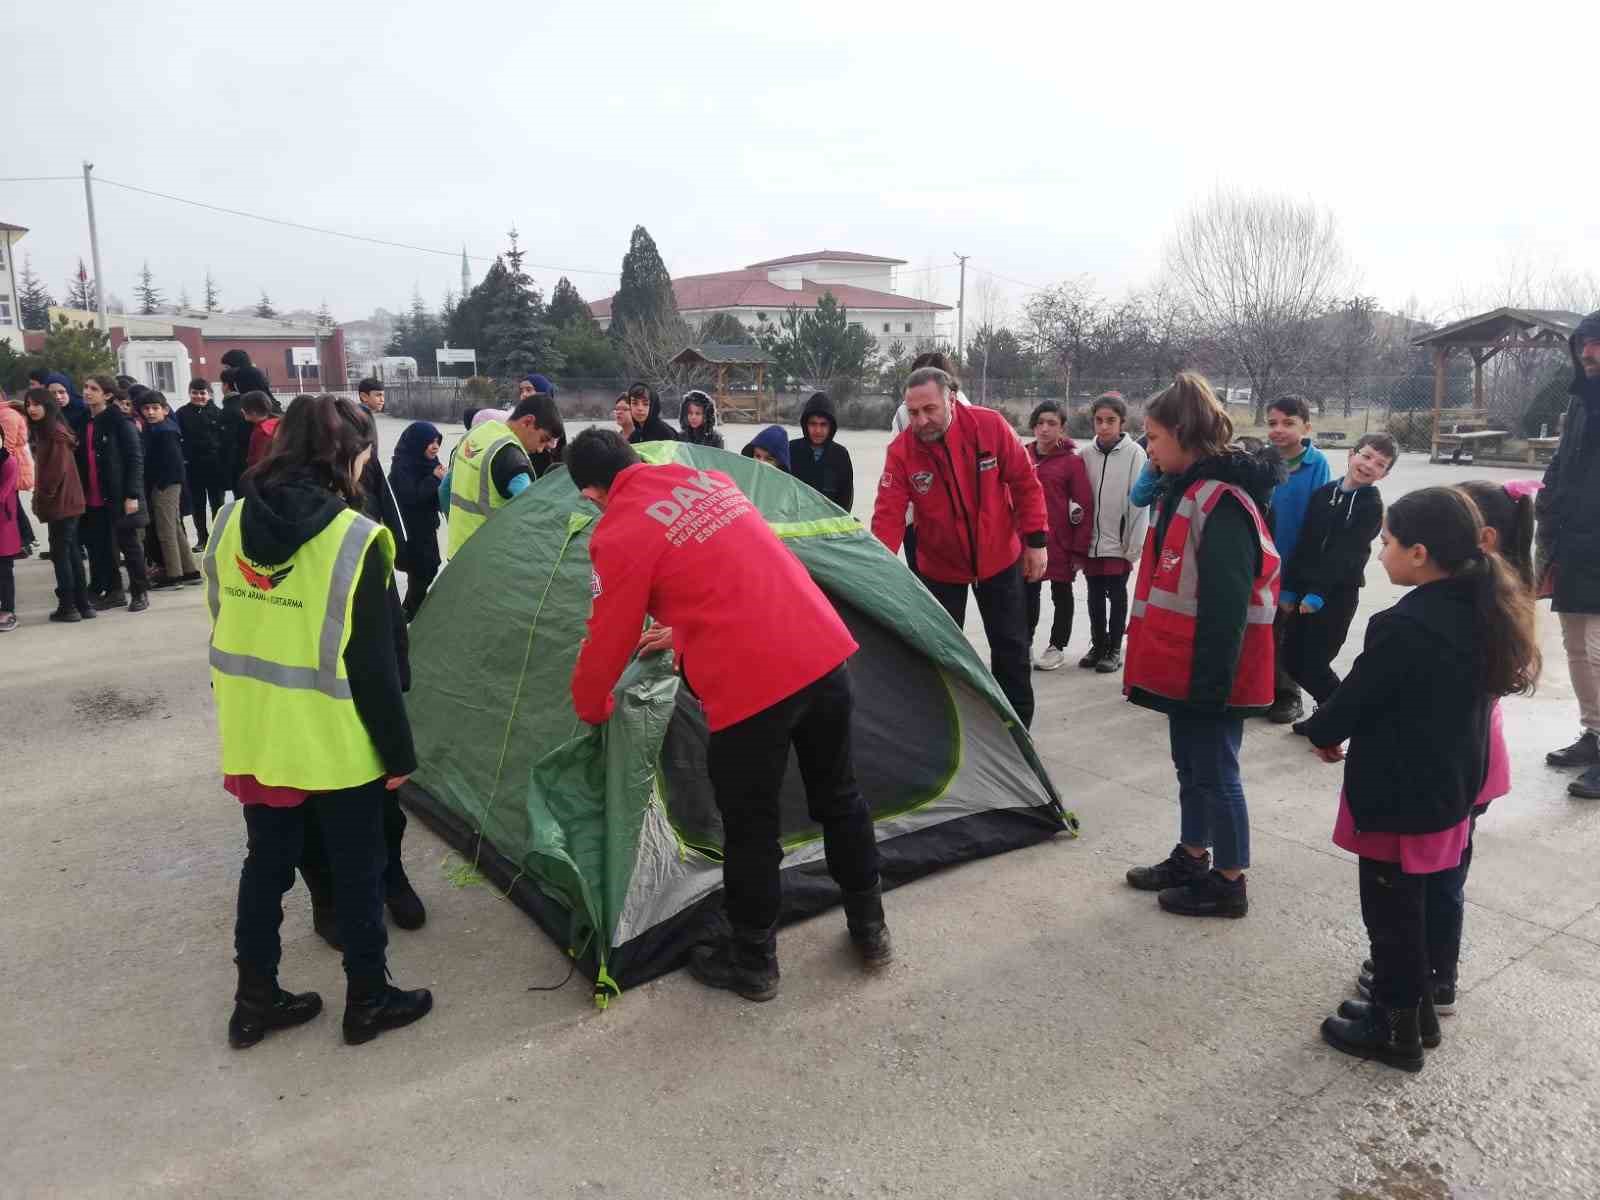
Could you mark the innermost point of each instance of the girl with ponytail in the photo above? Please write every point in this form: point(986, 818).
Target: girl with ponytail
point(1416, 711)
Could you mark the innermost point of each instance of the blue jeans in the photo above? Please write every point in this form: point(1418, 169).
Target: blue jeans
point(1205, 751)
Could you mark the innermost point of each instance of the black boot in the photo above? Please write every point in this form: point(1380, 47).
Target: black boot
point(869, 934)
point(1427, 1018)
point(746, 962)
point(84, 606)
point(1585, 752)
point(1091, 660)
point(1287, 708)
point(260, 1006)
point(372, 1007)
point(405, 906)
point(64, 610)
point(1110, 658)
point(1388, 1035)
point(116, 599)
point(1177, 869)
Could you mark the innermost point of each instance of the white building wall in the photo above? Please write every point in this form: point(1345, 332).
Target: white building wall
point(10, 309)
point(878, 277)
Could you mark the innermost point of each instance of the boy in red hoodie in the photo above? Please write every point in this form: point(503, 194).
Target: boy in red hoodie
point(685, 547)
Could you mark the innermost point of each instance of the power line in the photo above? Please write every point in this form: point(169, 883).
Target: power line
point(37, 178)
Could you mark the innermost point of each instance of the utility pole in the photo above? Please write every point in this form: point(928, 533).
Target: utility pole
point(961, 308)
point(94, 248)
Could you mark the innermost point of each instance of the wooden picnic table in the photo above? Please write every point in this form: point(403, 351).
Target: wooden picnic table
point(1467, 441)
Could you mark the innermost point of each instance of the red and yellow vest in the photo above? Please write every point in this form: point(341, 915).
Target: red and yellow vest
point(1161, 625)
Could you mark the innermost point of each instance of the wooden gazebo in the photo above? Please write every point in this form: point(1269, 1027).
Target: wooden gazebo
point(1456, 430)
point(748, 363)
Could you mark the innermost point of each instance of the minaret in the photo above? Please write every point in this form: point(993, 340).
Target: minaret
point(466, 274)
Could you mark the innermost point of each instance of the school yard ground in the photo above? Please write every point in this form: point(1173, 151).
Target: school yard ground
point(1044, 1031)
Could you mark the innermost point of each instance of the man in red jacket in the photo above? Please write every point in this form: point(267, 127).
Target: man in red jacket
point(980, 519)
point(685, 547)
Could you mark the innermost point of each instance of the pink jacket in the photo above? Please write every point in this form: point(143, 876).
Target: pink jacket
point(14, 431)
point(10, 535)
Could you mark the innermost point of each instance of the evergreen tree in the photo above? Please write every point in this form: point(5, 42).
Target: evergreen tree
point(567, 306)
point(503, 319)
point(417, 334)
point(33, 298)
point(82, 291)
point(212, 302)
point(264, 306)
point(150, 297)
point(183, 298)
point(725, 329)
point(644, 293)
point(820, 347)
point(77, 350)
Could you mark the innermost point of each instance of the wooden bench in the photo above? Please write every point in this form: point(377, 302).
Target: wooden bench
point(1542, 449)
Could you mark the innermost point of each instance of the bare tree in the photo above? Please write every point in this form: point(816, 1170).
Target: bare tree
point(650, 343)
point(1258, 269)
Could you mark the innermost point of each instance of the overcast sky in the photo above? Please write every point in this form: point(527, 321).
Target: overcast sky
point(1046, 141)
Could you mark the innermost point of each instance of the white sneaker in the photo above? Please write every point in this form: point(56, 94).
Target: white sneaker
point(1051, 660)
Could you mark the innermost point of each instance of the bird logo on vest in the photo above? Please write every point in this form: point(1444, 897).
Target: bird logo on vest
point(1171, 560)
point(922, 481)
point(261, 581)
point(469, 451)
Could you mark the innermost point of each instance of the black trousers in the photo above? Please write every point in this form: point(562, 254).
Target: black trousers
point(1313, 640)
point(424, 569)
point(910, 545)
point(1446, 911)
point(349, 823)
point(316, 859)
point(1283, 685)
point(1004, 607)
point(104, 537)
point(25, 528)
point(8, 586)
point(747, 761)
point(1107, 592)
point(1061, 621)
point(1394, 906)
point(206, 488)
point(66, 556)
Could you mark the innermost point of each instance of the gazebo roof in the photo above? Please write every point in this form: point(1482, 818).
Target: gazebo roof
point(1486, 329)
point(718, 354)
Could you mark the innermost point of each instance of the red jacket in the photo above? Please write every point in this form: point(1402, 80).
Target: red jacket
point(686, 547)
point(973, 492)
point(1064, 477)
point(261, 435)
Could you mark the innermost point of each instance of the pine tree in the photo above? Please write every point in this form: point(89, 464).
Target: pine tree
point(503, 319)
point(33, 298)
point(567, 306)
point(324, 316)
point(212, 302)
point(150, 297)
point(82, 291)
point(264, 306)
point(183, 298)
point(644, 294)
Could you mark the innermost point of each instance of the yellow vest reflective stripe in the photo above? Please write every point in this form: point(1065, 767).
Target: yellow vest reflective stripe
point(278, 636)
point(473, 496)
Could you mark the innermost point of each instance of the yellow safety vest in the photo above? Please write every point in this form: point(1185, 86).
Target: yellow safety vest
point(278, 636)
point(473, 496)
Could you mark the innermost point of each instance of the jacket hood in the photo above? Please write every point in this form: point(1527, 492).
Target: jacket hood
point(1122, 443)
point(819, 406)
point(251, 379)
point(1256, 474)
point(774, 439)
point(277, 521)
point(706, 402)
point(75, 402)
point(410, 459)
point(1588, 329)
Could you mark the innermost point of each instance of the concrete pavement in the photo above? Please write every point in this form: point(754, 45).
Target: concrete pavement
point(1044, 1032)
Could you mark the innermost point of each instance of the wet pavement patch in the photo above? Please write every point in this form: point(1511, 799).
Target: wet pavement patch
point(112, 704)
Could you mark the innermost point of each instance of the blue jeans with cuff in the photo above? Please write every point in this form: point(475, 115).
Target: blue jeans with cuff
point(1205, 751)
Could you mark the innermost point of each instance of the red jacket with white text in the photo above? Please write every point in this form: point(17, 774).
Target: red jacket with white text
point(687, 547)
point(973, 493)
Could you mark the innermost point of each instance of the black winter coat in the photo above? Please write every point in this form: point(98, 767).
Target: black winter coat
point(206, 445)
point(119, 461)
point(1415, 713)
point(1569, 506)
point(1335, 541)
point(162, 445)
point(833, 474)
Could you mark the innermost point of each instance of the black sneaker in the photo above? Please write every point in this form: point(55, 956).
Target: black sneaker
point(1286, 709)
point(1211, 895)
point(1110, 661)
point(1091, 660)
point(1586, 786)
point(1177, 869)
point(66, 614)
point(192, 577)
point(1585, 752)
point(1299, 727)
point(162, 582)
point(105, 600)
point(140, 602)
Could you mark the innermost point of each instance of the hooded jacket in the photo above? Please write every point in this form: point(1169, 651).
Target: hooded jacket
point(654, 428)
point(162, 445)
point(975, 494)
point(1568, 508)
point(686, 547)
point(277, 521)
point(58, 487)
point(774, 439)
point(416, 491)
point(76, 411)
point(1117, 528)
point(1064, 479)
point(119, 461)
point(1335, 542)
point(1287, 511)
point(827, 468)
point(10, 531)
point(377, 501)
point(707, 434)
point(14, 436)
point(1230, 559)
point(1415, 713)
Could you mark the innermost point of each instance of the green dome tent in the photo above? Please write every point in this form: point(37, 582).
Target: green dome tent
point(609, 837)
